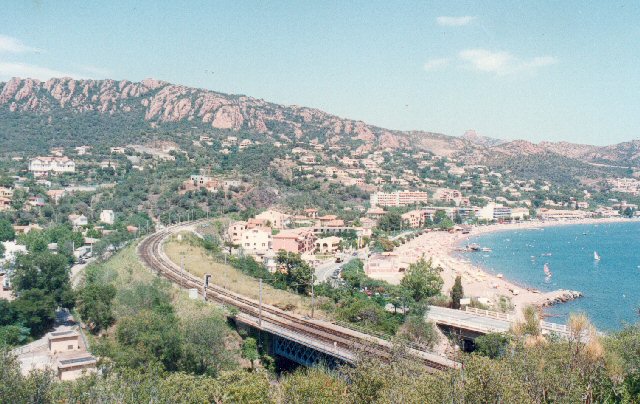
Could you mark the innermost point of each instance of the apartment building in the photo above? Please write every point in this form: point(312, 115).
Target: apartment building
point(299, 241)
point(44, 165)
point(398, 198)
point(257, 241)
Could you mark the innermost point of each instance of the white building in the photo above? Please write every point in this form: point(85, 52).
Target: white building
point(107, 216)
point(398, 198)
point(256, 241)
point(44, 165)
point(78, 220)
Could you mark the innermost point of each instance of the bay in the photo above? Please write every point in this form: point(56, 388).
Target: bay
point(611, 285)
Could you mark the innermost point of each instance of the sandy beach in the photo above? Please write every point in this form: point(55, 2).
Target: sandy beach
point(440, 246)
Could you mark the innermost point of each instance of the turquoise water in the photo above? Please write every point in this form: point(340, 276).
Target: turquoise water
point(611, 286)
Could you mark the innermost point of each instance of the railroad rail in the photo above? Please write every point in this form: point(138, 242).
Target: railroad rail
point(341, 342)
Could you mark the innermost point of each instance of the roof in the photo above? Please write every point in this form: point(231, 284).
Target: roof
point(75, 361)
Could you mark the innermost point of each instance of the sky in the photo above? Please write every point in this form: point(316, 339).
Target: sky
point(543, 70)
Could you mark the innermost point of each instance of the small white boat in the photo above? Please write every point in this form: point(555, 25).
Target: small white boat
point(596, 256)
point(547, 271)
point(486, 249)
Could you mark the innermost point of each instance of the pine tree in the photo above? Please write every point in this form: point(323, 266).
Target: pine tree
point(457, 293)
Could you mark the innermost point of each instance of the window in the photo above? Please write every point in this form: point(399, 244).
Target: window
point(69, 347)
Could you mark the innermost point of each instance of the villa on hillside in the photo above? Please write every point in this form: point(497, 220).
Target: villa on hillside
point(41, 166)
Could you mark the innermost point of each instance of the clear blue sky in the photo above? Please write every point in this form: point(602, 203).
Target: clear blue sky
point(560, 70)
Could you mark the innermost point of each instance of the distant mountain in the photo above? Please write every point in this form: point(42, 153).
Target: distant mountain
point(156, 103)
point(65, 109)
point(473, 137)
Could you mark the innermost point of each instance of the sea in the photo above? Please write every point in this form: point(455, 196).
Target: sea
point(611, 285)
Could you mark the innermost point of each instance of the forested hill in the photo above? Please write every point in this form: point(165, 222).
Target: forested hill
point(64, 111)
point(119, 106)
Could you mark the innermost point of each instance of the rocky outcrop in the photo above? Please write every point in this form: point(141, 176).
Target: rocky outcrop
point(561, 296)
point(158, 102)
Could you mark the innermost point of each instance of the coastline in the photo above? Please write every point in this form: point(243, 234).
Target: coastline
point(477, 282)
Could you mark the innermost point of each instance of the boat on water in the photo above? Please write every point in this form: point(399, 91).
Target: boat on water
point(473, 247)
point(596, 256)
point(486, 249)
point(547, 271)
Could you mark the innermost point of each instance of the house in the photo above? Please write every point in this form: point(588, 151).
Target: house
point(40, 166)
point(132, 229)
point(6, 192)
point(57, 151)
point(108, 164)
point(299, 241)
point(311, 213)
point(5, 204)
point(107, 216)
point(256, 241)
point(328, 245)
point(75, 366)
point(83, 150)
point(63, 341)
point(235, 230)
point(56, 194)
point(375, 213)
point(244, 143)
point(276, 219)
point(118, 150)
point(326, 219)
point(78, 220)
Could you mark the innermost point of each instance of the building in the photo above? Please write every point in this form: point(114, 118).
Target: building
point(56, 194)
point(43, 165)
point(63, 341)
point(257, 241)
point(78, 220)
point(299, 241)
point(560, 214)
point(375, 213)
point(235, 230)
point(6, 192)
point(118, 150)
point(398, 198)
point(83, 150)
point(73, 367)
point(328, 245)
point(415, 218)
point(107, 216)
point(448, 195)
point(276, 219)
point(5, 203)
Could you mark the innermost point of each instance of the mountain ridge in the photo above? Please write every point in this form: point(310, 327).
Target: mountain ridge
point(158, 102)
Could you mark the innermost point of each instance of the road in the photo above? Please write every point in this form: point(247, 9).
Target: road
point(470, 321)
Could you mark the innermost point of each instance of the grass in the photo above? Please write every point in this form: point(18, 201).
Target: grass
point(124, 270)
point(198, 263)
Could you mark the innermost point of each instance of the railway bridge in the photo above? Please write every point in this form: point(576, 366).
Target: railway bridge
point(301, 339)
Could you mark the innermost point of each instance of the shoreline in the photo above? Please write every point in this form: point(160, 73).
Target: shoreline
point(478, 282)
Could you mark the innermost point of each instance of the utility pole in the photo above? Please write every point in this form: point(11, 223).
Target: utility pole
point(313, 295)
point(260, 306)
point(182, 269)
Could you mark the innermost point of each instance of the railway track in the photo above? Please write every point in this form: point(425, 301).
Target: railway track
point(151, 253)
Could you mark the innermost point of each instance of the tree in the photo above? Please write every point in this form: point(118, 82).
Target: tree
point(250, 350)
point(6, 230)
point(457, 293)
point(149, 337)
point(36, 309)
point(391, 221)
point(492, 345)
point(419, 331)
point(298, 273)
point(94, 305)
point(204, 345)
point(47, 272)
point(422, 280)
